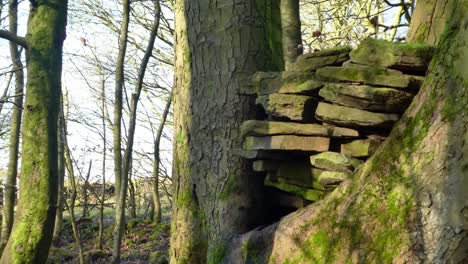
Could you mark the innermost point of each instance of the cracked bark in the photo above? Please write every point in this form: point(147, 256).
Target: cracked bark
point(219, 44)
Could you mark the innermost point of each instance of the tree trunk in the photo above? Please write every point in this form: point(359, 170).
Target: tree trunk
point(408, 203)
point(291, 31)
point(85, 190)
point(118, 105)
point(428, 21)
point(120, 202)
point(61, 180)
point(220, 44)
point(10, 183)
point(32, 231)
point(104, 156)
point(156, 215)
point(73, 191)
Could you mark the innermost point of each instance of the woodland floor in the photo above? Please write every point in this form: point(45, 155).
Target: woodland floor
point(144, 242)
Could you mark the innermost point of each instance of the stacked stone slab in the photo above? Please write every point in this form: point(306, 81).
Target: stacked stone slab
point(326, 116)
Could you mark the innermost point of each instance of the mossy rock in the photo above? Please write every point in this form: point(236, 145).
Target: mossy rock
point(361, 148)
point(299, 172)
point(270, 128)
point(288, 106)
point(371, 76)
point(296, 143)
point(331, 178)
point(306, 193)
point(333, 161)
point(312, 61)
point(404, 56)
point(264, 83)
point(367, 97)
point(353, 117)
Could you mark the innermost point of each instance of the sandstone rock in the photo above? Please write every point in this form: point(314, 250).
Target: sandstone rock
point(333, 161)
point(367, 97)
point(306, 193)
point(265, 165)
point(313, 61)
point(287, 106)
point(361, 148)
point(287, 143)
point(353, 117)
point(264, 83)
point(327, 178)
point(371, 76)
point(269, 128)
point(404, 56)
point(299, 173)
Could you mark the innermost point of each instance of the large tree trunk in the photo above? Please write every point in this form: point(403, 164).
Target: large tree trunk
point(428, 21)
point(220, 44)
point(10, 184)
point(408, 203)
point(32, 231)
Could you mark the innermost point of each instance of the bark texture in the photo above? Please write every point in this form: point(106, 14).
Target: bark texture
point(291, 31)
point(409, 202)
point(33, 227)
point(10, 183)
point(219, 45)
point(428, 21)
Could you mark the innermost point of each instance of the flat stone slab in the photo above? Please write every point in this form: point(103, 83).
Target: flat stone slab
point(327, 178)
point(287, 143)
point(299, 172)
point(367, 97)
point(332, 161)
point(270, 128)
point(264, 83)
point(306, 193)
point(361, 148)
point(371, 76)
point(353, 117)
point(315, 60)
point(404, 56)
point(288, 106)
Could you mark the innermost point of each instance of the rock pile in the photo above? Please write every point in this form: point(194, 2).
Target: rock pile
point(325, 117)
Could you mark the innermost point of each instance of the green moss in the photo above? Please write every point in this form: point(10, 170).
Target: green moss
point(158, 257)
point(250, 252)
point(232, 186)
point(218, 254)
point(306, 193)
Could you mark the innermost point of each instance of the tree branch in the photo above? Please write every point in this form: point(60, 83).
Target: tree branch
point(21, 41)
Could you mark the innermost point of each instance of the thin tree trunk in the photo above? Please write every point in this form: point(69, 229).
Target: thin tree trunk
point(156, 215)
point(10, 183)
point(291, 31)
point(85, 190)
point(122, 191)
point(215, 198)
point(118, 104)
point(61, 172)
point(131, 195)
point(104, 156)
point(35, 215)
point(73, 192)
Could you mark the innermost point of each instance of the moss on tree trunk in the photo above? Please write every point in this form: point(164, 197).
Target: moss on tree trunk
point(33, 227)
